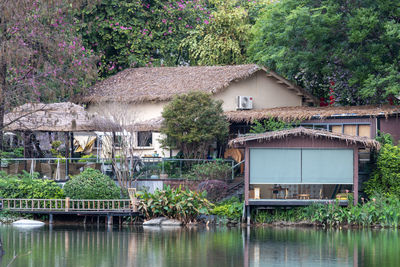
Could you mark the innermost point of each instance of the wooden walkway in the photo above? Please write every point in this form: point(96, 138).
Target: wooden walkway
point(94, 207)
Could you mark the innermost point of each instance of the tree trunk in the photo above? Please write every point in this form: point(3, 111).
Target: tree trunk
point(3, 75)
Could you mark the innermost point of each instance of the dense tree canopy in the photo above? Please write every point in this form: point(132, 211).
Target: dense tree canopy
point(141, 33)
point(350, 49)
point(126, 33)
point(223, 38)
point(192, 122)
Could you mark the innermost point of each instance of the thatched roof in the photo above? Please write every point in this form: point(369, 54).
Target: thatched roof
point(305, 113)
point(149, 125)
point(162, 83)
point(55, 117)
point(301, 131)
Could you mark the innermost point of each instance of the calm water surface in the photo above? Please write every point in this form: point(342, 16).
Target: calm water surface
point(148, 246)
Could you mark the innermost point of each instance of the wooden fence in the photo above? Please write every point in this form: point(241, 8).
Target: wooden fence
point(69, 205)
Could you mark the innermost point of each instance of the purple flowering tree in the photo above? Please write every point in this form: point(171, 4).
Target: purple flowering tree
point(41, 58)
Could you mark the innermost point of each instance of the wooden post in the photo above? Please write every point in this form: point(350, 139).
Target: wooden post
point(67, 204)
point(67, 150)
point(109, 219)
point(355, 176)
point(246, 175)
point(248, 214)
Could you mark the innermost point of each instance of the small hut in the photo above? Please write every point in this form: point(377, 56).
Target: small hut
point(300, 166)
point(40, 124)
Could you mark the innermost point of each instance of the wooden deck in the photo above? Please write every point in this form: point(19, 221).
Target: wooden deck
point(108, 207)
point(294, 202)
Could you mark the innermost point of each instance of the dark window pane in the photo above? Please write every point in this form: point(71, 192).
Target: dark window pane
point(144, 138)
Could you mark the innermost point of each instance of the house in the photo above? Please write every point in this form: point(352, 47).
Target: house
point(300, 166)
point(140, 94)
point(353, 120)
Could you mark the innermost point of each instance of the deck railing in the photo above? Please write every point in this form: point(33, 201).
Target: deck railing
point(67, 205)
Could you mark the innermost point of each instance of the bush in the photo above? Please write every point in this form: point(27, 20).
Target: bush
point(184, 205)
point(230, 209)
point(91, 184)
point(214, 188)
point(15, 187)
point(88, 158)
point(212, 170)
point(386, 177)
point(381, 210)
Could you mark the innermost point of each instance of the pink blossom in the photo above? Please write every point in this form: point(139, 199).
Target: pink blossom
point(206, 21)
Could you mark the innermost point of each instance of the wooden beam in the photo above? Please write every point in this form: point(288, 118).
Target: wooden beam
point(355, 175)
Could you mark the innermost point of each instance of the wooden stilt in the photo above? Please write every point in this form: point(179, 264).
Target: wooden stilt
point(248, 214)
point(109, 219)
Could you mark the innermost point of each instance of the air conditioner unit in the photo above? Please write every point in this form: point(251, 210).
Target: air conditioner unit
point(244, 102)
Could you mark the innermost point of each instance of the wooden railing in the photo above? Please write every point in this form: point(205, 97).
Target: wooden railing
point(67, 205)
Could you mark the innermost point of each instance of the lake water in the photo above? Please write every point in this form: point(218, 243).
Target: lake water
point(200, 246)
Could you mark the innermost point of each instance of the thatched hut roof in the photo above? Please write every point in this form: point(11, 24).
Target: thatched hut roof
point(301, 131)
point(305, 113)
point(55, 117)
point(137, 85)
point(149, 125)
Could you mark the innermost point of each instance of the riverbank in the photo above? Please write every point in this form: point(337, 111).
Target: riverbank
point(9, 217)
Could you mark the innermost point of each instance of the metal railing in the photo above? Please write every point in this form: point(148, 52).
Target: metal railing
point(61, 169)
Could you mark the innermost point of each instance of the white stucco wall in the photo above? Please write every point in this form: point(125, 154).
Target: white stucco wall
point(265, 91)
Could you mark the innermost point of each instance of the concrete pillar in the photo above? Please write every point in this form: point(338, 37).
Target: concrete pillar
point(50, 218)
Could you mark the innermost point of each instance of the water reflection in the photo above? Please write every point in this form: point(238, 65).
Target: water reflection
point(152, 246)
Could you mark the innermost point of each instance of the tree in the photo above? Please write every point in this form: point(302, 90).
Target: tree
point(351, 46)
point(192, 122)
point(41, 57)
point(139, 33)
point(221, 39)
point(120, 136)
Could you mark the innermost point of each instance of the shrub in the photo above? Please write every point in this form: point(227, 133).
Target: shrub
point(14, 187)
point(192, 122)
point(212, 170)
point(184, 205)
point(386, 177)
point(91, 184)
point(88, 158)
point(214, 188)
point(230, 209)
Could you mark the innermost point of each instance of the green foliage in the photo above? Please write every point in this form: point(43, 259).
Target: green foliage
point(351, 46)
point(192, 122)
point(26, 187)
point(386, 177)
point(223, 38)
point(16, 153)
point(88, 158)
point(382, 211)
point(231, 209)
point(384, 138)
point(138, 33)
point(183, 205)
point(270, 125)
point(91, 184)
point(212, 170)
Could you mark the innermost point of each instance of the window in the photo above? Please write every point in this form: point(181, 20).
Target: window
point(144, 139)
point(356, 129)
